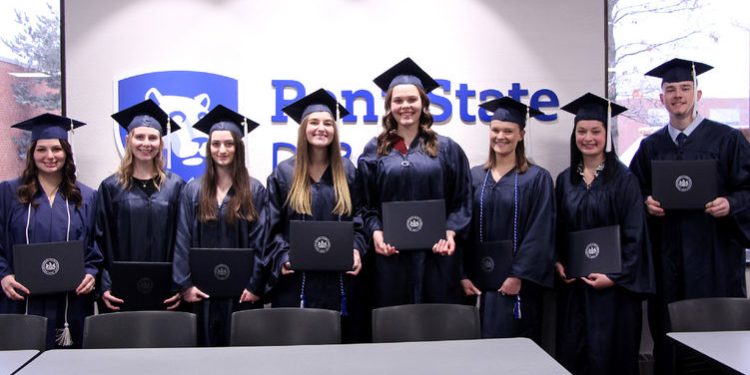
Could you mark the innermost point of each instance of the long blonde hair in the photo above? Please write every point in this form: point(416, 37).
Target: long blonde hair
point(125, 170)
point(300, 196)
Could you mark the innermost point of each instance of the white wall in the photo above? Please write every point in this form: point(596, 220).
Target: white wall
point(339, 45)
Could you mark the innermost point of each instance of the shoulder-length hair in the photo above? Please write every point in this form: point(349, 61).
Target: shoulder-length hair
point(125, 170)
point(576, 158)
point(240, 204)
point(30, 183)
point(300, 196)
point(522, 163)
point(385, 143)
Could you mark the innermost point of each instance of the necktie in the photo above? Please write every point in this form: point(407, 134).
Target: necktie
point(681, 138)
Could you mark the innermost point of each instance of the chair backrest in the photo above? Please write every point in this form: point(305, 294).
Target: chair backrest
point(23, 332)
point(285, 326)
point(710, 314)
point(425, 322)
point(140, 329)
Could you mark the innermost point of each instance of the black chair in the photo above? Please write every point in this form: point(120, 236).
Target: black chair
point(140, 329)
point(425, 322)
point(285, 326)
point(23, 332)
point(701, 315)
point(710, 314)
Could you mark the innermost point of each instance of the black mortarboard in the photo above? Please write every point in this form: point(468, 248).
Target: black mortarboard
point(593, 107)
point(507, 109)
point(49, 126)
point(407, 72)
point(223, 118)
point(145, 114)
point(679, 70)
point(319, 101)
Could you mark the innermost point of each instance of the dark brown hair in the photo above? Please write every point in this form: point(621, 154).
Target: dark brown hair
point(30, 183)
point(385, 142)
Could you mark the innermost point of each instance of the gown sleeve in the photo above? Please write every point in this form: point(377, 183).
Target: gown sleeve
point(257, 238)
point(458, 190)
point(185, 218)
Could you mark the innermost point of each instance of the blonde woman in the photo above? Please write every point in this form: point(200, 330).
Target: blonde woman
point(136, 216)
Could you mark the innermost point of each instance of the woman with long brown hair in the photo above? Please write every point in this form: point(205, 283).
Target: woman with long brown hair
point(409, 161)
point(136, 215)
point(317, 184)
point(47, 204)
point(513, 202)
point(225, 208)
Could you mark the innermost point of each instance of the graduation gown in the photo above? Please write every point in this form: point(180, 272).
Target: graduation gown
point(695, 254)
point(599, 331)
point(416, 276)
point(48, 223)
point(533, 261)
point(214, 314)
point(132, 226)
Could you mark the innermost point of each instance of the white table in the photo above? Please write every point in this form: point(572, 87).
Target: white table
point(730, 348)
point(512, 356)
point(12, 360)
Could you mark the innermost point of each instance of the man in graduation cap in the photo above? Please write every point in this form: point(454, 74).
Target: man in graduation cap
point(697, 253)
point(48, 204)
point(136, 216)
point(224, 208)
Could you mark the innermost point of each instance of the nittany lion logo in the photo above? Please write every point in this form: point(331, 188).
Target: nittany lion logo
point(683, 183)
point(50, 266)
point(414, 224)
point(144, 285)
point(486, 264)
point(221, 271)
point(187, 97)
point(322, 244)
point(592, 250)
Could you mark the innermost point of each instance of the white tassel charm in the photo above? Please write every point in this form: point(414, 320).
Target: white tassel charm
point(63, 337)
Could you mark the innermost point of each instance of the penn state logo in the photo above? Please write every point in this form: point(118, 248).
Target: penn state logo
point(592, 250)
point(50, 266)
point(221, 271)
point(414, 223)
point(144, 285)
point(683, 183)
point(486, 264)
point(322, 244)
point(186, 96)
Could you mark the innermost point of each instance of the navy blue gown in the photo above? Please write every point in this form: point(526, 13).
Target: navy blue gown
point(322, 289)
point(49, 223)
point(599, 331)
point(533, 261)
point(695, 254)
point(416, 276)
point(132, 226)
point(214, 314)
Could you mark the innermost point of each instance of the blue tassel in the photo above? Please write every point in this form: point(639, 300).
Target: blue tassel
point(343, 296)
point(517, 308)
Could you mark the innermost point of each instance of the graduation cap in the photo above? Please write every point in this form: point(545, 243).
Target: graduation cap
point(593, 107)
point(679, 70)
point(48, 125)
point(223, 118)
point(148, 114)
point(145, 114)
point(318, 101)
point(406, 72)
point(508, 109)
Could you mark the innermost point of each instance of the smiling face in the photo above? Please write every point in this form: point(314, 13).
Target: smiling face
point(406, 105)
point(222, 148)
point(677, 98)
point(49, 156)
point(144, 143)
point(319, 129)
point(504, 137)
point(591, 138)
